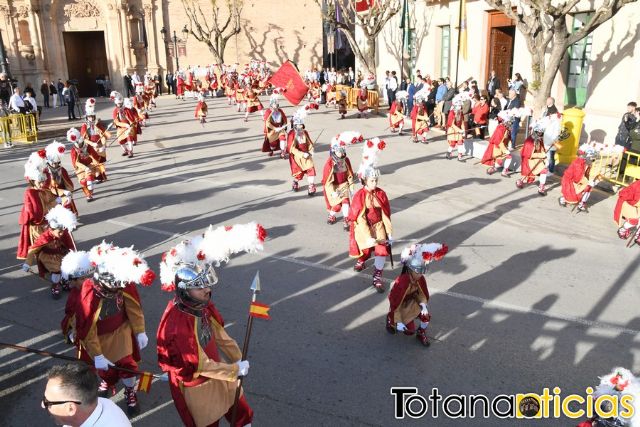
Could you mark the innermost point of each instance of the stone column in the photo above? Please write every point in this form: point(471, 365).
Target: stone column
point(152, 37)
point(123, 10)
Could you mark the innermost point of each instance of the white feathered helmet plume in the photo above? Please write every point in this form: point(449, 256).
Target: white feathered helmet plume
point(35, 166)
point(618, 384)
point(74, 137)
point(90, 107)
point(76, 265)
point(116, 267)
point(55, 151)
point(299, 116)
point(587, 152)
point(116, 97)
point(274, 100)
point(418, 256)
point(369, 164)
point(402, 95)
point(201, 253)
point(60, 217)
point(127, 103)
point(340, 142)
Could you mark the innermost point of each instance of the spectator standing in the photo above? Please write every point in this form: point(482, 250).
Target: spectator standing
point(69, 95)
point(5, 131)
point(157, 80)
point(351, 76)
point(431, 103)
point(550, 108)
point(448, 98)
point(5, 88)
point(127, 84)
point(44, 90)
point(387, 77)
point(71, 398)
point(16, 103)
point(60, 87)
point(54, 93)
point(514, 102)
point(29, 89)
point(393, 87)
point(441, 91)
point(627, 123)
point(411, 90)
point(517, 84)
point(480, 113)
point(492, 84)
point(107, 86)
point(501, 98)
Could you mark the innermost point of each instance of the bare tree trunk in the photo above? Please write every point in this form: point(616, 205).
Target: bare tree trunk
point(548, 74)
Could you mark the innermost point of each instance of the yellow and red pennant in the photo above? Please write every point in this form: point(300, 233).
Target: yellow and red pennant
point(144, 384)
point(258, 309)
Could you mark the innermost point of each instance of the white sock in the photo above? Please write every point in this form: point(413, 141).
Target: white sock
point(90, 185)
point(423, 325)
point(507, 163)
point(450, 149)
point(378, 262)
point(283, 144)
point(130, 146)
point(310, 179)
point(345, 210)
point(542, 179)
point(332, 214)
point(461, 149)
point(585, 197)
point(55, 277)
point(627, 225)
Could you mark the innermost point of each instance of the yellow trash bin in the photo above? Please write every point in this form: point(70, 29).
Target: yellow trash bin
point(572, 119)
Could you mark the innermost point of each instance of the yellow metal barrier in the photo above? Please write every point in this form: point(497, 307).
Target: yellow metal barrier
point(19, 128)
point(618, 167)
point(373, 99)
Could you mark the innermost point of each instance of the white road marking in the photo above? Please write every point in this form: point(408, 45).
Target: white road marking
point(485, 302)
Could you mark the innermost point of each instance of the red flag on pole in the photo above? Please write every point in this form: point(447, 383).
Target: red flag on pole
point(288, 78)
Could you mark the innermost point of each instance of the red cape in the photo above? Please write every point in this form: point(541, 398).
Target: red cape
point(178, 351)
point(199, 107)
point(573, 175)
point(69, 310)
point(91, 154)
point(295, 169)
point(327, 173)
point(630, 194)
point(32, 212)
point(357, 206)
point(399, 289)
point(525, 155)
point(496, 138)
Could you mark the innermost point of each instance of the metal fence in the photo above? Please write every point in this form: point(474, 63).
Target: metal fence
point(617, 167)
point(19, 128)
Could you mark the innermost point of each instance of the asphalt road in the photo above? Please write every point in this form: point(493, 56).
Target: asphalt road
point(530, 295)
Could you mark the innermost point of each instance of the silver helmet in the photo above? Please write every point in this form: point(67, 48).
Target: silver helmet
point(193, 276)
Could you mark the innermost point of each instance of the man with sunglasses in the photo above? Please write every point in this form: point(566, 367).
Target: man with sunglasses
point(71, 398)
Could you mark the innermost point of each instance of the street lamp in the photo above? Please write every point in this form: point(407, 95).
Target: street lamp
point(174, 38)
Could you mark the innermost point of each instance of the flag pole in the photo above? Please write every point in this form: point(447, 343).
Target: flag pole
point(255, 288)
point(403, 25)
point(459, 33)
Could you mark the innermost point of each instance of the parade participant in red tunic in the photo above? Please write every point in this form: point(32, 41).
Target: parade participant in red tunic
point(213, 84)
point(362, 101)
point(191, 336)
point(300, 148)
point(253, 102)
point(534, 160)
point(456, 128)
point(51, 246)
point(579, 179)
point(338, 178)
point(396, 112)
point(409, 294)
point(497, 154)
point(110, 325)
point(239, 93)
point(342, 103)
point(38, 201)
point(627, 211)
point(75, 268)
point(140, 105)
point(126, 125)
point(275, 128)
point(419, 119)
point(370, 216)
point(230, 88)
point(58, 180)
point(94, 132)
point(201, 110)
point(85, 162)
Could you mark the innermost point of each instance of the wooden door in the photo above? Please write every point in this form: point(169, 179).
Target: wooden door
point(501, 53)
point(86, 59)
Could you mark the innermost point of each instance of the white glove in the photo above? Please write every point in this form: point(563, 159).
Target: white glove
point(401, 326)
point(67, 193)
point(305, 155)
point(102, 363)
point(243, 368)
point(390, 240)
point(334, 194)
point(143, 340)
point(26, 267)
point(71, 336)
point(592, 183)
point(87, 170)
point(424, 310)
point(58, 201)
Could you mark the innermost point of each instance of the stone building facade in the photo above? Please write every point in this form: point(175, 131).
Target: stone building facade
point(81, 39)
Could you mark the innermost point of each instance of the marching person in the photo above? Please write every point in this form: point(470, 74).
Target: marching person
point(370, 216)
point(58, 180)
point(38, 201)
point(409, 294)
point(201, 110)
point(579, 179)
point(300, 148)
point(75, 268)
point(125, 122)
point(253, 102)
point(342, 103)
point(362, 101)
point(86, 163)
point(419, 119)
point(275, 128)
point(497, 154)
point(456, 129)
point(627, 211)
point(94, 132)
point(51, 246)
point(338, 180)
point(534, 160)
point(396, 112)
point(110, 324)
point(191, 336)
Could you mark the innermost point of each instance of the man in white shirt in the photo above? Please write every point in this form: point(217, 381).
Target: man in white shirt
point(135, 79)
point(16, 103)
point(71, 398)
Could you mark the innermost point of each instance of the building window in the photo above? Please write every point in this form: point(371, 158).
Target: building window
point(579, 60)
point(445, 43)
